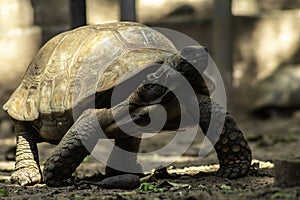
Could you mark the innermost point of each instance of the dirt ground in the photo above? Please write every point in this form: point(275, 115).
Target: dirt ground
point(269, 139)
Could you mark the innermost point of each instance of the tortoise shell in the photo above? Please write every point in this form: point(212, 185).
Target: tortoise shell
point(78, 63)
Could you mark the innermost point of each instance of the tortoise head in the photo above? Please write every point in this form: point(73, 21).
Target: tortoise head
point(193, 57)
point(191, 62)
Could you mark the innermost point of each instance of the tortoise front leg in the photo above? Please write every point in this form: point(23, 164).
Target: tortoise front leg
point(27, 170)
point(233, 151)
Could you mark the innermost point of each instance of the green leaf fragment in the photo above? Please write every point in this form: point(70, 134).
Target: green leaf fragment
point(149, 187)
point(283, 195)
point(85, 160)
point(3, 192)
point(225, 187)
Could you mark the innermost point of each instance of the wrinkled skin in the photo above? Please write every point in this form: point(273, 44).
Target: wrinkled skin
point(232, 149)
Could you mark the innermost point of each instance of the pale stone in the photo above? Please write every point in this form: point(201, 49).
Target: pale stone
point(15, 14)
point(17, 48)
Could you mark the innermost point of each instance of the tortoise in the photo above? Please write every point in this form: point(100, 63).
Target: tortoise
point(61, 80)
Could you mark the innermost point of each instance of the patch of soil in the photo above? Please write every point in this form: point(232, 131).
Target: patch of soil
point(269, 139)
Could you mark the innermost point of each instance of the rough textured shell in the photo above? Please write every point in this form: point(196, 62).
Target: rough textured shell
point(77, 63)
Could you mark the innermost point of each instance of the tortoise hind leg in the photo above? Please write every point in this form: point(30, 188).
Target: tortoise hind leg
point(232, 148)
point(27, 170)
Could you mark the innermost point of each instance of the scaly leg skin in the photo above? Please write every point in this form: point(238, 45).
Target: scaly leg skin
point(232, 148)
point(72, 149)
point(123, 158)
point(27, 170)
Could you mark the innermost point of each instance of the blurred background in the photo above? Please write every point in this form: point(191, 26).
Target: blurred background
point(255, 43)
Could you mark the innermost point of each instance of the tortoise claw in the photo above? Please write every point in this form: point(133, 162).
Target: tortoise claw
point(26, 176)
point(234, 171)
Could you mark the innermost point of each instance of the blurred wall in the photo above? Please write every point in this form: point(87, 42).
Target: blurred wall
point(19, 41)
point(53, 16)
point(266, 36)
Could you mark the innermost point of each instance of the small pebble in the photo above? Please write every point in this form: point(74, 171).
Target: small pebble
point(125, 181)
